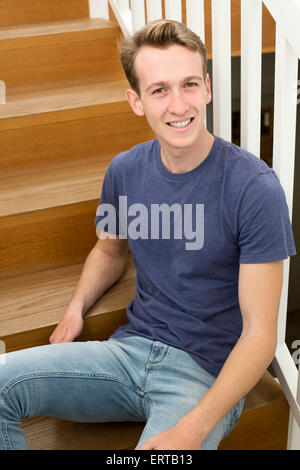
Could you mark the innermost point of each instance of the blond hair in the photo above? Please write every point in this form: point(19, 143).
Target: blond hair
point(160, 34)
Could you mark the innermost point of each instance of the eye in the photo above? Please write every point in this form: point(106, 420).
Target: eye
point(159, 91)
point(191, 84)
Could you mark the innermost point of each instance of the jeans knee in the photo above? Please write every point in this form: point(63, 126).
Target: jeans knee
point(11, 403)
point(15, 396)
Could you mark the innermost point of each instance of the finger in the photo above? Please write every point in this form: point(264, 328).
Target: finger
point(68, 337)
point(57, 335)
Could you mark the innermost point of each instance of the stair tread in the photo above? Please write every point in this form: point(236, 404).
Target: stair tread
point(38, 300)
point(64, 98)
point(52, 188)
point(54, 28)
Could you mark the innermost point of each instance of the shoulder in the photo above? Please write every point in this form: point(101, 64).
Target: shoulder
point(242, 170)
point(133, 160)
point(240, 160)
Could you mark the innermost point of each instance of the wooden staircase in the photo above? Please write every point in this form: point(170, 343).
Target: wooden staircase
point(66, 116)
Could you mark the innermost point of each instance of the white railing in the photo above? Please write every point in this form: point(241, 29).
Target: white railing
point(132, 16)
point(287, 17)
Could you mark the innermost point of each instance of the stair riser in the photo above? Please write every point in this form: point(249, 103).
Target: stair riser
point(47, 238)
point(52, 65)
point(98, 327)
point(15, 12)
point(69, 141)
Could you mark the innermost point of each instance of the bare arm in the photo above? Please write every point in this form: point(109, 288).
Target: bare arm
point(103, 267)
point(259, 297)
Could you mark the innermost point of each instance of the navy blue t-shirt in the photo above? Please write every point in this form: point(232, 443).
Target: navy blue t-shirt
point(188, 233)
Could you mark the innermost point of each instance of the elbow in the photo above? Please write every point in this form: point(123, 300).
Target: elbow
point(264, 338)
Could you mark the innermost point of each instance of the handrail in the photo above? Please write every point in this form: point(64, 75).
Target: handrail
point(287, 53)
point(288, 17)
point(123, 16)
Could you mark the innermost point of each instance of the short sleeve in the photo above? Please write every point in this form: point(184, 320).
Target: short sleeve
point(265, 232)
point(107, 219)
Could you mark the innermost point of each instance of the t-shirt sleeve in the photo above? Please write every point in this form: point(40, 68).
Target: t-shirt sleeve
point(265, 232)
point(107, 219)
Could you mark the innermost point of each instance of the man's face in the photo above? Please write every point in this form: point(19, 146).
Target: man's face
point(173, 95)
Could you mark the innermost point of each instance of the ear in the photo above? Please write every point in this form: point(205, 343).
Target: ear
point(208, 89)
point(135, 102)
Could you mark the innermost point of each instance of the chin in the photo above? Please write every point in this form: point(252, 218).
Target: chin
point(183, 143)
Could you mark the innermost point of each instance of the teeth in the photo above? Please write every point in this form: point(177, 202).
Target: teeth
point(180, 124)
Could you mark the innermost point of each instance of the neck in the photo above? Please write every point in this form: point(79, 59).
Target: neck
point(184, 160)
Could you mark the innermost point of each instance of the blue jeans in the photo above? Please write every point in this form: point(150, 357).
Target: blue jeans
point(127, 379)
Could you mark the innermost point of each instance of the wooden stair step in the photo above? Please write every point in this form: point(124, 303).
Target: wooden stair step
point(22, 109)
point(33, 304)
point(14, 12)
point(53, 187)
point(263, 426)
point(34, 35)
point(46, 239)
point(56, 126)
point(65, 52)
point(47, 218)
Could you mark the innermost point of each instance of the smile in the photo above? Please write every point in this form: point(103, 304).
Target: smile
point(180, 124)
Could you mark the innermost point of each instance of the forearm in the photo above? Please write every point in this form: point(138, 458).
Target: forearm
point(99, 273)
point(243, 368)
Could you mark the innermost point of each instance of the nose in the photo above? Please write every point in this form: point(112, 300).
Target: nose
point(177, 103)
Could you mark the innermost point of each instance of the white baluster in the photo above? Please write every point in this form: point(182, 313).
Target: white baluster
point(173, 10)
point(195, 17)
point(285, 114)
point(2, 92)
point(99, 9)
point(154, 10)
point(251, 60)
point(138, 14)
point(221, 46)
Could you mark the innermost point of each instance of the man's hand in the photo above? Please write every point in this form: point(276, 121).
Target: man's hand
point(179, 437)
point(68, 329)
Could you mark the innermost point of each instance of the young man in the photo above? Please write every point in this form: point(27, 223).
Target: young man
point(207, 225)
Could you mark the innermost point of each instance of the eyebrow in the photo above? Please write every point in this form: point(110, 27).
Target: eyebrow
point(163, 84)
